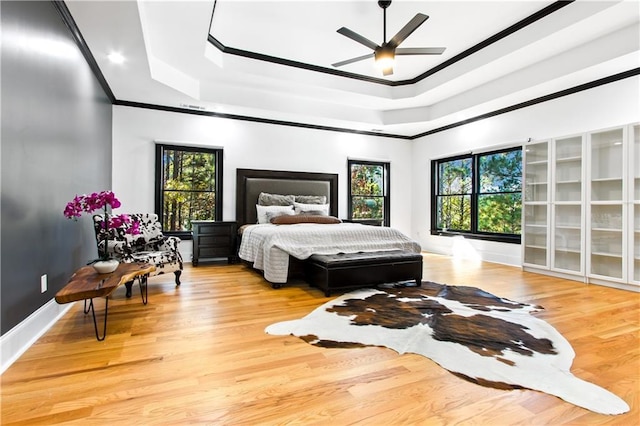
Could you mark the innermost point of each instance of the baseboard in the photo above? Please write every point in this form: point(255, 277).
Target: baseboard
point(16, 341)
point(466, 248)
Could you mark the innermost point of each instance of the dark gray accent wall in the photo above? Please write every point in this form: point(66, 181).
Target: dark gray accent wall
point(55, 142)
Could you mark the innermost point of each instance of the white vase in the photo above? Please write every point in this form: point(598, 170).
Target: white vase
point(106, 266)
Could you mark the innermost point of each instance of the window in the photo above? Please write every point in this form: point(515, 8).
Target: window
point(478, 195)
point(369, 192)
point(188, 187)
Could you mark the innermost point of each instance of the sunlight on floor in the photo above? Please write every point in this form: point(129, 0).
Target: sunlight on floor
point(463, 250)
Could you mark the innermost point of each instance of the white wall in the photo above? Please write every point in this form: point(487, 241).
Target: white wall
point(605, 106)
point(248, 145)
point(266, 146)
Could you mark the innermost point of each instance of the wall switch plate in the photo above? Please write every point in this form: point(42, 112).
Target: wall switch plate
point(43, 283)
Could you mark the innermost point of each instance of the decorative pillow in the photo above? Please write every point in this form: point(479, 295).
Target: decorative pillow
point(266, 199)
point(317, 209)
point(311, 199)
point(263, 210)
point(271, 215)
point(304, 218)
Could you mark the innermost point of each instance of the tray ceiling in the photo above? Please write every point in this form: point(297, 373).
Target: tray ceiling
point(272, 59)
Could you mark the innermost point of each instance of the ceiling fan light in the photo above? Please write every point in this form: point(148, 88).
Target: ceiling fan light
point(385, 58)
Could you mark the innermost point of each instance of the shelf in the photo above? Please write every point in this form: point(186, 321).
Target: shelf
point(572, 251)
point(568, 182)
point(536, 247)
point(606, 179)
point(607, 203)
point(605, 254)
point(536, 183)
point(570, 227)
point(536, 163)
point(607, 229)
point(535, 225)
point(569, 159)
point(576, 203)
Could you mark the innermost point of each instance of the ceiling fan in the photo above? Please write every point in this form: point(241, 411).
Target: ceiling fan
point(385, 53)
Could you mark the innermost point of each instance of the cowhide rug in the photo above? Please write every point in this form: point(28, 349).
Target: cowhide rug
point(475, 335)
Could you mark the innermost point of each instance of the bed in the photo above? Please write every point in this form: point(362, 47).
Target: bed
point(282, 251)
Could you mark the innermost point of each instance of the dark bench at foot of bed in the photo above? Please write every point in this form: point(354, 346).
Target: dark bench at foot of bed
point(356, 270)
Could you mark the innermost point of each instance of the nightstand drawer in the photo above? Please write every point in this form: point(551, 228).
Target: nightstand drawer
point(210, 229)
point(213, 252)
point(214, 241)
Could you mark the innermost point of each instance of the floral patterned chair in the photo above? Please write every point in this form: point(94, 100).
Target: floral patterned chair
point(150, 245)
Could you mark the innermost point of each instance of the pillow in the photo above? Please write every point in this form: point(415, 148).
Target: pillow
point(304, 218)
point(271, 215)
point(263, 210)
point(266, 199)
point(311, 199)
point(317, 209)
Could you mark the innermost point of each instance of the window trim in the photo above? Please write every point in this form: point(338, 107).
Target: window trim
point(475, 184)
point(159, 190)
point(386, 167)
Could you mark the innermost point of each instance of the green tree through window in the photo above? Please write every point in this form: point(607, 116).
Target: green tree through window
point(479, 195)
point(500, 193)
point(368, 191)
point(454, 201)
point(188, 186)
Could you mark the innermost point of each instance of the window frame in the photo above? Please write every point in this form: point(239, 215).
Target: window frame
point(386, 181)
point(159, 179)
point(475, 188)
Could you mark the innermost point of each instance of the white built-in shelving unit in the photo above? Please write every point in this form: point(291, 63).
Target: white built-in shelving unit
point(582, 207)
point(567, 199)
point(536, 205)
point(634, 204)
point(606, 224)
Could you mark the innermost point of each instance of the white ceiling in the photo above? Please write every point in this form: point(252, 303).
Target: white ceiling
point(170, 62)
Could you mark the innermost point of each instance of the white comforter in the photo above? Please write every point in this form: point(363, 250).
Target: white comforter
point(268, 246)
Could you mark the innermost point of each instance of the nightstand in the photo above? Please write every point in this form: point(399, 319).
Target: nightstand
point(214, 239)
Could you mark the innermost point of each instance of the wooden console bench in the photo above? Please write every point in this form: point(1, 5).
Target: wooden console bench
point(86, 284)
point(356, 270)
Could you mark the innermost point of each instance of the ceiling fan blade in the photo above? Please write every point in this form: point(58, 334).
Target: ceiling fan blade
point(352, 60)
point(387, 71)
point(406, 31)
point(357, 37)
point(420, 50)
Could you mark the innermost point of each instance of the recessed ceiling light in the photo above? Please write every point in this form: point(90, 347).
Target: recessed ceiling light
point(116, 57)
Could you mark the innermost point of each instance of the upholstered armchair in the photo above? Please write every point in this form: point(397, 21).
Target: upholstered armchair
point(150, 245)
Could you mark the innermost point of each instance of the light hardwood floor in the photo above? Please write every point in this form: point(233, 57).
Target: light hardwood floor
point(198, 354)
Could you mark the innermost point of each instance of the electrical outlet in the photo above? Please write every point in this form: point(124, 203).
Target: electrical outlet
point(43, 283)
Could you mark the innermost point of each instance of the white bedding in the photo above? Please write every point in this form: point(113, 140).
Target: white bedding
point(268, 246)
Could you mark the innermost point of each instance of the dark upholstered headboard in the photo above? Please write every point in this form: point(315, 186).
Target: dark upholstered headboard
point(250, 183)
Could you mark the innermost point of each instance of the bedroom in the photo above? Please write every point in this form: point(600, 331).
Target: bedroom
point(90, 145)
